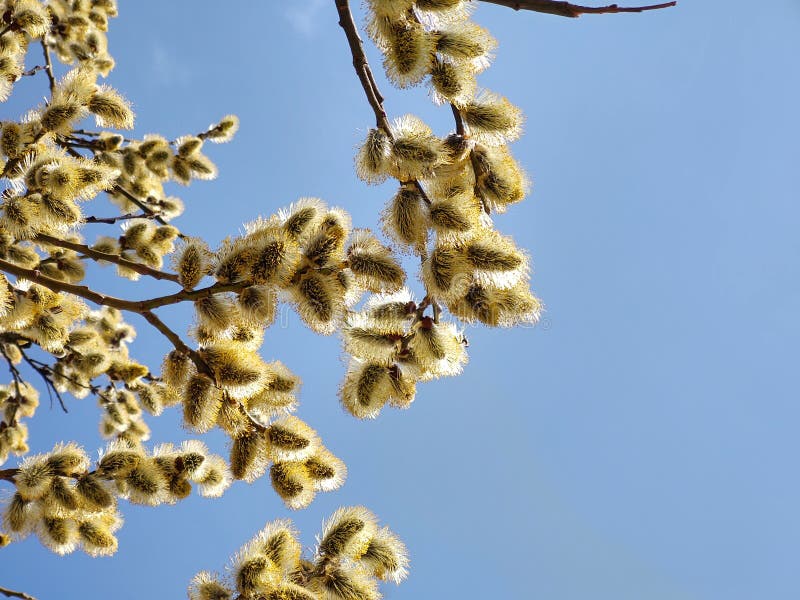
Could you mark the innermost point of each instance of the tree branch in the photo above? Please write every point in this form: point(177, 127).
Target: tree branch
point(48, 67)
point(565, 9)
point(176, 341)
point(32, 71)
point(117, 219)
point(118, 188)
point(141, 307)
point(44, 372)
point(112, 258)
point(361, 65)
point(137, 306)
point(12, 594)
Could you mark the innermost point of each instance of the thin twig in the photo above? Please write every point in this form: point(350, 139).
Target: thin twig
point(118, 218)
point(48, 67)
point(33, 71)
point(14, 594)
point(112, 258)
point(141, 205)
point(15, 374)
point(361, 65)
point(44, 372)
point(142, 307)
point(37, 364)
point(118, 189)
point(460, 129)
point(565, 9)
point(374, 97)
point(179, 344)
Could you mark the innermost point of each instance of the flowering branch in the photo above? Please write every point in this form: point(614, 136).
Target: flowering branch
point(143, 307)
point(113, 258)
point(565, 9)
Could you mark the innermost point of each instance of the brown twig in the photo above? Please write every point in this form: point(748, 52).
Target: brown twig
point(176, 341)
point(361, 65)
point(117, 219)
point(373, 94)
point(460, 129)
point(13, 594)
point(118, 189)
point(137, 306)
point(112, 258)
point(44, 372)
point(141, 307)
point(48, 67)
point(565, 9)
point(32, 71)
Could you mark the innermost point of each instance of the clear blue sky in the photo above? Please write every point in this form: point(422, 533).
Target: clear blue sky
point(640, 443)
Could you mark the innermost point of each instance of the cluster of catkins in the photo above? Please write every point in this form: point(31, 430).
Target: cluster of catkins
point(69, 507)
point(393, 345)
point(78, 32)
point(449, 187)
point(47, 182)
point(47, 190)
point(145, 165)
point(74, 29)
point(87, 345)
point(142, 241)
point(249, 400)
point(20, 20)
point(307, 255)
point(17, 400)
point(39, 314)
point(352, 554)
point(50, 179)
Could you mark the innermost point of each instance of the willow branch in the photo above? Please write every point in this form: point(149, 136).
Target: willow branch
point(48, 67)
point(113, 258)
point(141, 307)
point(137, 306)
point(141, 205)
point(32, 71)
point(565, 9)
point(117, 219)
point(118, 189)
point(12, 594)
point(367, 79)
point(176, 341)
point(45, 372)
point(361, 65)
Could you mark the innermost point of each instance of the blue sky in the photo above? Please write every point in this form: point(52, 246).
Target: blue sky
point(641, 441)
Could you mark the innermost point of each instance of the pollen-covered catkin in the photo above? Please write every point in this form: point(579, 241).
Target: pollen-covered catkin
point(249, 455)
point(201, 403)
point(405, 219)
point(352, 555)
point(293, 483)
